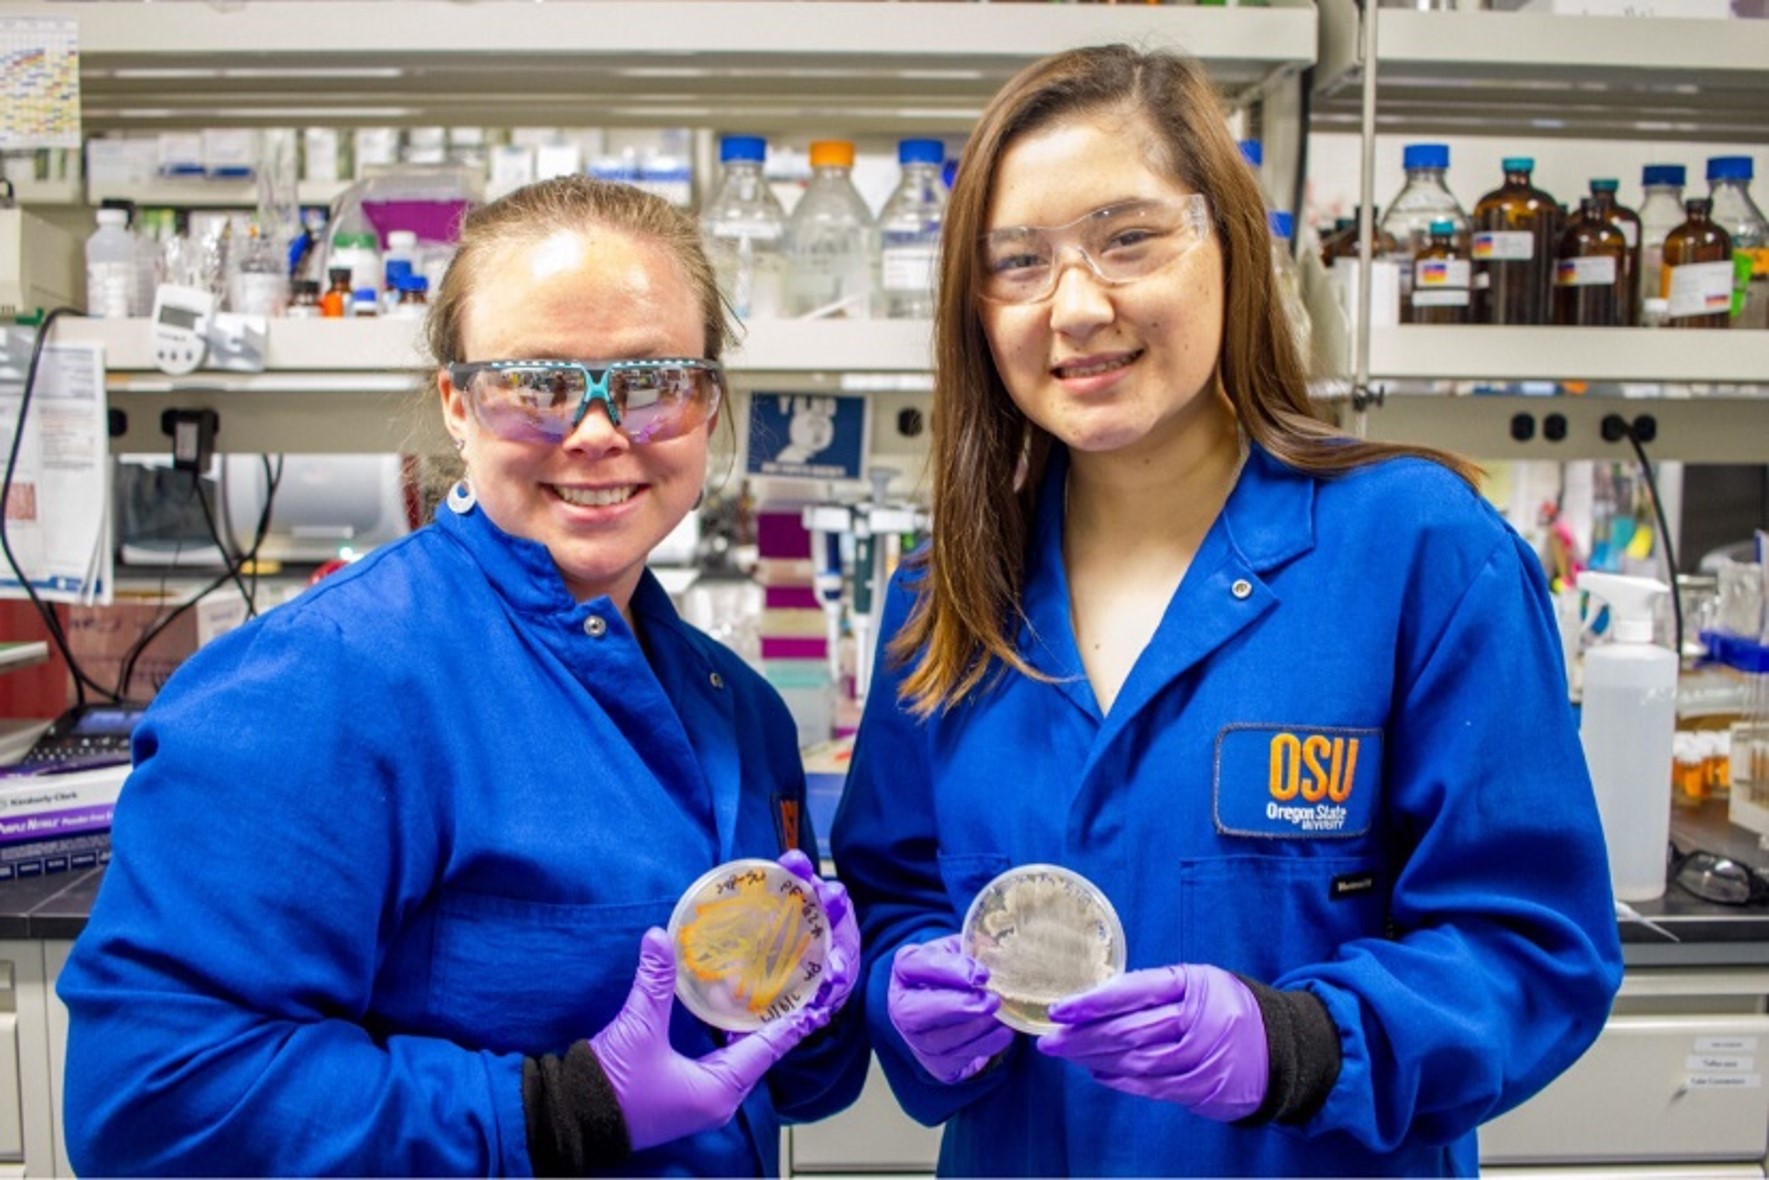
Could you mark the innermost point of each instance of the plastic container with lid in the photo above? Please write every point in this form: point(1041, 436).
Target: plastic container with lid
point(112, 258)
point(744, 227)
point(829, 240)
point(1424, 198)
point(909, 232)
point(1661, 211)
point(751, 942)
point(1738, 215)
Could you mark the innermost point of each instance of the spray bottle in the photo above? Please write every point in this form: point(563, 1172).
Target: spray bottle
point(1628, 719)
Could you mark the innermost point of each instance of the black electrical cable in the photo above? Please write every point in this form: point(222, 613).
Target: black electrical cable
point(233, 566)
point(1664, 532)
point(44, 611)
point(259, 533)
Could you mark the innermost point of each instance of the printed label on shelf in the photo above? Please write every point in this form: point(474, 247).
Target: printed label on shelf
point(1718, 1063)
point(1593, 271)
point(1725, 1081)
point(1739, 1044)
point(1697, 288)
point(1504, 246)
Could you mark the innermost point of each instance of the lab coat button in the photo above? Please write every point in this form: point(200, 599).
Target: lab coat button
point(1242, 588)
point(716, 680)
point(595, 626)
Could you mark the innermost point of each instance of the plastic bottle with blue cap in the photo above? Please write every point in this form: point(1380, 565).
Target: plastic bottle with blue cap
point(744, 226)
point(1627, 724)
point(1735, 212)
point(909, 232)
point(1661, 211)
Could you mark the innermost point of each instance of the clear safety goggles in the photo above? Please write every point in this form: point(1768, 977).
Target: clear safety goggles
point(1719, 879)
point(1119, 243)
point(544, 400)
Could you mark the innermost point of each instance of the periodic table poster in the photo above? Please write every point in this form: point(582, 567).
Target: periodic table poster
point(39, 83)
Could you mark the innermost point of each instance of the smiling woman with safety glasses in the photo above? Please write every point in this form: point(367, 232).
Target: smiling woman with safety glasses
point(389, 876)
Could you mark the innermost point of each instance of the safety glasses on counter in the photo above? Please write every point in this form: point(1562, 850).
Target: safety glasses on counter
point(544, 400)
point(1119, 243)
point(1718, 879)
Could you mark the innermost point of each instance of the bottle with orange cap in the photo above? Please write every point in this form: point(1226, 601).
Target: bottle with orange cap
point(829, 240)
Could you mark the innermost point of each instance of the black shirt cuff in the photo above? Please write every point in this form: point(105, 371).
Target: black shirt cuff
point(573, 1114)
point(1302, 1044)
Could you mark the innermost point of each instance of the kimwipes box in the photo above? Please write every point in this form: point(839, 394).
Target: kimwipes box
point(53, 823)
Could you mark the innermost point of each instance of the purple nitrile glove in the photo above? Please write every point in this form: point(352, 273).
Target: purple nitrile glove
point(664, 1095)
point(938, 1004)
point(843, 964)
point(1190, 1034)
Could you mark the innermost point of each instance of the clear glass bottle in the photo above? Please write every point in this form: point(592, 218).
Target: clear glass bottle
point(1590, 279)
point(1516, 232)
point(1627, 223)
point(1696, 281)
point(1422, 200)
point(1661, 211)
point(909, 232)
point(744, 227)
point(829, 240)
point(1735, 212)
point(1442, 278)
point(112, 258)
point(259, 284)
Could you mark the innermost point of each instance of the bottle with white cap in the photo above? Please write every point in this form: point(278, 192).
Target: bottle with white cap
point(1627, 724)
point(112, 258)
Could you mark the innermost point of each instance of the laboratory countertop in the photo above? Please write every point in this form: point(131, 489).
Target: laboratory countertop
point(1680, 930)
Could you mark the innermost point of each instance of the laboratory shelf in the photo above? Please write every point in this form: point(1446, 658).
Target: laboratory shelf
point(1483, 352)
point(766, 64)
point(199, 193)
point(1492, 72)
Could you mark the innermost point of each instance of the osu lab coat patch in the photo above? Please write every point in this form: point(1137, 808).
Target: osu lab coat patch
point(1296, 781)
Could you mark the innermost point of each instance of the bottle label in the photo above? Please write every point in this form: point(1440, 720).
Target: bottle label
point(1504, 246)
point(109, 286)
point(907, 268)
point(1441, 282)
point(1697, 288)
point(1595, 270)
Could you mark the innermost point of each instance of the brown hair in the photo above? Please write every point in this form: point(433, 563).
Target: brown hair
point(569, 203)
point(963, 621)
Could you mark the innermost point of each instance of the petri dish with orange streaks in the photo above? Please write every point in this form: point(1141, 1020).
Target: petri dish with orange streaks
point(752, 942)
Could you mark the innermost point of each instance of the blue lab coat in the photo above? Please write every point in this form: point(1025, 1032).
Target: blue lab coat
point(387, 839)
point(1445, 895)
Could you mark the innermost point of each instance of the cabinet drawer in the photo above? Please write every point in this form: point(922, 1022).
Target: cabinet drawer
point(873, 1135)
point(12, 1125)
point(1650, 1088)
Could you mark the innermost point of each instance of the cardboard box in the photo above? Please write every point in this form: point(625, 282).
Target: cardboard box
point(54, 823)
point(101, 637)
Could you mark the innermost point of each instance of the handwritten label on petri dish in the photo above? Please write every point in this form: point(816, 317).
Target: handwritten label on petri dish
point(751, 940)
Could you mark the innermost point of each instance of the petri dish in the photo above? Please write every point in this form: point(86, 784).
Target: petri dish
point(751, 943)
point(1044, 932)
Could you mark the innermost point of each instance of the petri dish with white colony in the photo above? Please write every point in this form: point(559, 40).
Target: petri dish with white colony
point(751, 942)
point(1045, 933)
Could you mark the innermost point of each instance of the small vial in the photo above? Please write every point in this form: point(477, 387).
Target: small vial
point(303, 300)
point(365, 304)
point(335, 303)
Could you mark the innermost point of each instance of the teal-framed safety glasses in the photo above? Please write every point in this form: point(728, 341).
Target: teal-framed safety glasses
point(648, 400)
point(1120, 243)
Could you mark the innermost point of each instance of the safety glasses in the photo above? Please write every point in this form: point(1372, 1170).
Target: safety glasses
point(1718, 879)
point(1119, 243)
point(544, 400)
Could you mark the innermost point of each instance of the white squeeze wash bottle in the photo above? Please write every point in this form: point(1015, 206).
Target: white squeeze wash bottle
point(1627, 722)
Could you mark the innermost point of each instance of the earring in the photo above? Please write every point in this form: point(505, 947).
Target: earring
point(460, 445)
point(460, 498)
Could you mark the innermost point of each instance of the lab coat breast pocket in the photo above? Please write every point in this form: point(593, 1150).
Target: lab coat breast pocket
point(1264, 914)
point(513, 974)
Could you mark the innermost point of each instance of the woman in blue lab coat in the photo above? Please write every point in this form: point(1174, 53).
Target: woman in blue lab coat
point(389, 873)
point(1293, 701)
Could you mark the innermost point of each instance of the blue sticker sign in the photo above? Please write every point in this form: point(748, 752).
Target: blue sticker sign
point(808, 435)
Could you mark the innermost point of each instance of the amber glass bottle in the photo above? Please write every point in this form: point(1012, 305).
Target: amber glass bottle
point(1588, 291)
point(1697, 277)
point(1441, 274)
point(1516, 230)
point(1628, 222)
point(335, 303)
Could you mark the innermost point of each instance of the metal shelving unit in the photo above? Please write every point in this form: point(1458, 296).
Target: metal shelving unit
point(1391, 70)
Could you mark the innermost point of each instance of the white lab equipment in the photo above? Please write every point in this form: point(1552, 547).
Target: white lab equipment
point(39, 264)
point(1627, 725)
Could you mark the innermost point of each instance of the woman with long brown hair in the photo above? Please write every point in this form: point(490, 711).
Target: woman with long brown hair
point(1293, 701)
